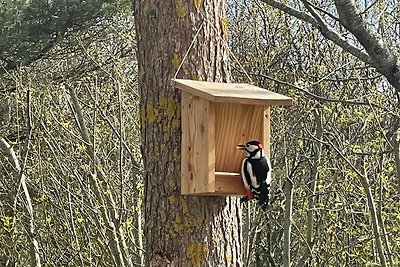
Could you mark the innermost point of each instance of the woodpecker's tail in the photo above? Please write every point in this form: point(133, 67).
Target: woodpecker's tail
point(264, 196)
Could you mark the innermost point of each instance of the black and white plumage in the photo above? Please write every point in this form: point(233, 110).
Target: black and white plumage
point(256, 174)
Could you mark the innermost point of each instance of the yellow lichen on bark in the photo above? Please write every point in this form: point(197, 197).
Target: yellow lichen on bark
point(167, 108)
point(142, 117)
point(170, 106)
point(198, 222)
point(217, 238)
point(167, 237)
point(185, 206)
point(224, 25)
point(162, 215)
point(180, 9)
point(171, 183)
point(172, 200)
point(197, 4)
point(196, 252)
point(176, 61)
point(172, 110)
point(197, 77)
point(141, 71)
point(162, 147)
point(152, 113)
point(178, 225)
point(228, 258)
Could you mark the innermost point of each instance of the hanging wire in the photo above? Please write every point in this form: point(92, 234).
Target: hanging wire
point(188, 50)
point(224, 43)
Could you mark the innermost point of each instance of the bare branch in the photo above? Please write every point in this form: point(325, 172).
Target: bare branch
point(13, 160)
point(102, 191)
point(371, 202)
point(324, 29)
point(382, 58)
point(325, 99)
point(287, 222)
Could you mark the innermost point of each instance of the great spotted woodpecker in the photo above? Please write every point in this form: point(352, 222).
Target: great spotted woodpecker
point(256, 174)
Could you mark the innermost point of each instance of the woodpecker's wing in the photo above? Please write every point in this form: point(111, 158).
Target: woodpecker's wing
point(259, 170)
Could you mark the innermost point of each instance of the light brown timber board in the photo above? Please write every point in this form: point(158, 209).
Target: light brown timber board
point(229, 185)
point(226, 184)
point(266, 131)
point(233, 93)
point(198, 137)
point(236, 124)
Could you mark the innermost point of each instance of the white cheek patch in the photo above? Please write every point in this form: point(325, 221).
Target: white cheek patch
point(252, 148)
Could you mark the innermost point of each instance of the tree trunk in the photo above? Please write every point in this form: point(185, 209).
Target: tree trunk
point(180, 230)
point(287, 224)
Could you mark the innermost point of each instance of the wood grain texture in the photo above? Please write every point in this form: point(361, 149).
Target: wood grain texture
point(236, 124)
point(198, 155)
point(210, 134)
point(240, 93)
point(266, 131)
point(228, 184)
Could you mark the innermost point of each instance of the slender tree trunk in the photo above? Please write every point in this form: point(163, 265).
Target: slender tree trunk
point(396, 145)
point(382, 224)
point(287, 225)
point(370, 199)
point(312, 186)
point(180, 230)
point(19, 170)
point(19, 173)
point(374, 217)
point(99, 183)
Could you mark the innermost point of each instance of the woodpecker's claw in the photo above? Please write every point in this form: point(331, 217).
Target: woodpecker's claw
point(244, 199)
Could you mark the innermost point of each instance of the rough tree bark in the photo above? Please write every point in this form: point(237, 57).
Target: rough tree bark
point(180, 230)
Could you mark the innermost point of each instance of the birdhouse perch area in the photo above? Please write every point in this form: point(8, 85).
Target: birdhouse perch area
point(215, 118)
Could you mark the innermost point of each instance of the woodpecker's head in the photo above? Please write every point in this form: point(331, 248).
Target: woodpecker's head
point(254, 149)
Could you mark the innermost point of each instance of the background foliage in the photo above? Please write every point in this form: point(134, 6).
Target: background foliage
point(340, 132)
point(46, 48)
point(338, 140)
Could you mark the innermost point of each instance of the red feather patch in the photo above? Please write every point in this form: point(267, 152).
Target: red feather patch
point(249, 194)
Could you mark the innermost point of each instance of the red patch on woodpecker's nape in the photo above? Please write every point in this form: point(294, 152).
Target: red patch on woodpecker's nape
point(260, 145)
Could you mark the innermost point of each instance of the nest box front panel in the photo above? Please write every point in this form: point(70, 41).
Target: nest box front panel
point(198, 145)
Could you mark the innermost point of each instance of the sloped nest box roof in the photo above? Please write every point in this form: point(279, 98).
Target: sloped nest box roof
point(241, 93)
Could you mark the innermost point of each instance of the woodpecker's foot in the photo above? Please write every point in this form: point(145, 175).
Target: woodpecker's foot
point(249, 194)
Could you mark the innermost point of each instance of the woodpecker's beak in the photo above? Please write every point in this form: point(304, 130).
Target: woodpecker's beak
point(240, 147)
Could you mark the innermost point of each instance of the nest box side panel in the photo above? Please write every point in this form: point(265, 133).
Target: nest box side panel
point(236, 124)
point(266, 131)
point(198, 145)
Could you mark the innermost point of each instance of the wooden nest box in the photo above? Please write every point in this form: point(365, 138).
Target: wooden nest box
point(215, 118)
